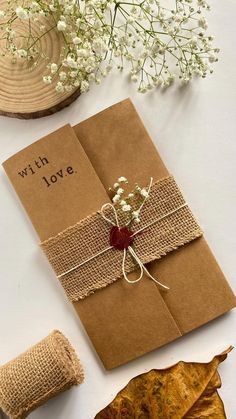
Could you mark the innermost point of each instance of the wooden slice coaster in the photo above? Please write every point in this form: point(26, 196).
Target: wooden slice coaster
point(23, 94)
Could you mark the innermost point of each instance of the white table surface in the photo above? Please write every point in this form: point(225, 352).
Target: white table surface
point(195, 131)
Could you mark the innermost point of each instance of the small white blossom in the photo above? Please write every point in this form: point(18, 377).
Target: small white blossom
point(202, 23)
point(135, 214)
point(68, 87)
point(47, 79)
point(120, 191)
point(122, 179)
point(61, 25)
point(84, 87)
point(178, 18)
point(73, 74)
point(11, 34)
point(76, 40)
point(62, 76)
point(59, 87)
point(22, 53)
point(144, 193)
point(134, 78)
point(91, 77)
point(52, 8)
point(212, 58)
point(116, 199)
point(22, 13)
point(126, 208)
point(35, 6)
point(123, 202)
point(130, 20)
point(54, 68)
point(82, 52)
point(99, 46)
point(71, 62)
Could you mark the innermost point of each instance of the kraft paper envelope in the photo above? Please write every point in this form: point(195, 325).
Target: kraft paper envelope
point(117, 144)
point(61, 180)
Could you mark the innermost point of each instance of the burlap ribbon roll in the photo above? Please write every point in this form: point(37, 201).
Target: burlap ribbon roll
point(43, 371)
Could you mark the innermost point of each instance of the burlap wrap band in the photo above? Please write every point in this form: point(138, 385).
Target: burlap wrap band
point(79, 243)
point(45, 370)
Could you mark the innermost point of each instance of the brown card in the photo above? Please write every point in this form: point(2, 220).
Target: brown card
point(58, 185)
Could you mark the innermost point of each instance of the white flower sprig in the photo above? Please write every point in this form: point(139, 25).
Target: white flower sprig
point(157, 40)
point(133, 202)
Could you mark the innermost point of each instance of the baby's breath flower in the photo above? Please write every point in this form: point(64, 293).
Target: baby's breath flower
point(76, 40)
point(120, 191)
point(22, 53)
point(68, 87)
point(212, 58)
point(202, 22)
point(126, 207)
point(155, 40)
point(134, 78)
point(63, 75)
point(116, 199)
point(52, 8)
point(22, 13)
point(122, 179)
point(54, 68)
point(47, 79)
point(135, 214)
point(73, 74)
point(71, 62)
point(130, 20)
point(84, 87)
point(144, 193)
point(60, 87)
point(61, 25)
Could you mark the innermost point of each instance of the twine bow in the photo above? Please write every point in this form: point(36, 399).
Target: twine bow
point(127, 243)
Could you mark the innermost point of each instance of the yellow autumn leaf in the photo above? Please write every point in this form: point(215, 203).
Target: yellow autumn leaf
point(185, 390)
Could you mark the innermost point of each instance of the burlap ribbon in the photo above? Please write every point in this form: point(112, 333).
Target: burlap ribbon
point(83, 259)
point(45, 370)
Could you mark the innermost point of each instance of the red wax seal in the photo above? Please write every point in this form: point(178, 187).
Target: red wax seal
point(121, 237)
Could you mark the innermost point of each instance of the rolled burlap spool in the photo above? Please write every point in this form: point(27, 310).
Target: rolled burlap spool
point(42, 372)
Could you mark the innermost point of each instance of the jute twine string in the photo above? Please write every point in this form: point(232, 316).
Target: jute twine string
point(42, 372)
point(83, 259)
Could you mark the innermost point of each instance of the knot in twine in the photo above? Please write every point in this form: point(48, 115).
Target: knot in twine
point(122, 238)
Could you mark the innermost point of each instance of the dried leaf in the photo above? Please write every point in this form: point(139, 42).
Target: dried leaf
point(185, 390)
